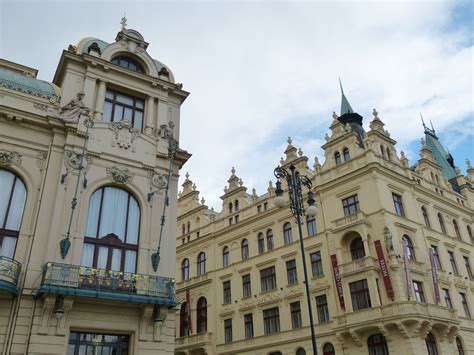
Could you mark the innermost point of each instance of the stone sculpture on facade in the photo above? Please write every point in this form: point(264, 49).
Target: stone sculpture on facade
point(71, 112)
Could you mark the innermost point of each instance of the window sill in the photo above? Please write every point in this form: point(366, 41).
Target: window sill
point(268, 291)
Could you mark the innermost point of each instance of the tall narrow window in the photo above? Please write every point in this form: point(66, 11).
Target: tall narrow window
point(261, 243)
point(189, 227)
point(452, 260)
point(459, 346)
point(311, 225)
point(225, 256)
point(468, 266)
point(228, 330)
point(436, 257)
point(118, 107)
point(291, 272)
point(113, 223)
point(447, 298)
point(231, 207)
point(425, 217)
point(183, 229)
point(328, 349)
point(345, 153)
point(322, 309)
point(12, 205)
point(388, 154)
point(350, 205)
point(441, 223)
point(469, 232)
point(183, 320)
point(201, 315)
point(236, 205)
point(410, 249)
point(185, 269)
point(419, 294)
point(397, 202)
point(226, 292)
point(246, 286)
point(201, 263)
point(360, 295)
point(245, 249)
point(269, 240)
point(287, 233)
point(268, 279)
point(431, 344)
point(456, 229)
point(337, 158)
point(357, 249)
point(377, 345)
point(271, 320)
point(295, 310)
point(316, 264)
point(248, 324)
point(465, 305)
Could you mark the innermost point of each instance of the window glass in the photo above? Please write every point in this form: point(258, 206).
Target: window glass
point(328, 349)
point(12, 203)
point(350, 205)
point(311, 225)
point(377, 345)
point(287, 233)
point(268, 279)
point(322, 309)
point(295, 309)
point(128, 63)
point(316, 264)
point(271, 321)
point(270, 240)
point(291, 272)
point(357, 249)
point(360, 295)
point(118, 106)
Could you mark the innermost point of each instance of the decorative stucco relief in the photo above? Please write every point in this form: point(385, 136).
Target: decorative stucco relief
point(125, 134)
point(119, 176)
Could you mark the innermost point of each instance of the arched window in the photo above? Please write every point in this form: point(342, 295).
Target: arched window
point(311, 225)
point(459, 346)
point(270, 244)
point(425, 217)
point(245, 249)
point(431, 344)
point(441, 223)
point(456, 229)
point(377, 345)
point(183, 229)
point(382, 150)
point(388, 154)
point(112, 232)
point(201, 263)
point(231, 208)
point(225, 256)
point(357, 248)
point(345, 153)
point(185, 269)
point(201, 315)
point(189, 227)
point(328, 349)
point(469, 232)
point(287, 233)
point(236, 205)
point(183, 320)
point(128, 63)
point(437, 179)
point(410, 249)
point(261, 243)
point(12, 205)
point(300, 351)
point(432, 176)
point(337, 158)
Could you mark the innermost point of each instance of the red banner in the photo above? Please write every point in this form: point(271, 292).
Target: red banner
point(188, 311)
point(434, 273)
point(383, 267)
point(337, 278)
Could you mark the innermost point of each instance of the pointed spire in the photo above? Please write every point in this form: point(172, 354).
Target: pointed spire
point(345, 105)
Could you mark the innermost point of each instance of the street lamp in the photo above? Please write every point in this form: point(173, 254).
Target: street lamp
point(295, 182)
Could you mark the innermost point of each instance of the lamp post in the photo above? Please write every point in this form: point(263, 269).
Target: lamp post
point(295, 182)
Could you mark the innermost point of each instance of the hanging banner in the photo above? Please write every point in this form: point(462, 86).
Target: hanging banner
point(384, 269)
point(434, 273)
point(188, 311)
point(337, 278)
point(407, 268)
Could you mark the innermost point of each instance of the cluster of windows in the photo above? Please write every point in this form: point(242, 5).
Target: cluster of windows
point(234, 207)
point(201, 317)
point(128, 63)
point(119, 106)
point(385, 152)
point(201, 266)
point(345, 154)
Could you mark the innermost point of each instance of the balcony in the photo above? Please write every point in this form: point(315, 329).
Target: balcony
point(82, 281)
point(348, 220)
point(193, 341)
point(9, 274)
point(359, 265)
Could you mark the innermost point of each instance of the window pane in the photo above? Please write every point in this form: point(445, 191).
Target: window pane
point(17, 205)
point(114, 210)
point(6, 181)
point(116, 259)
point(130, 261)
point(107, 114)
point(133, 222)
point(118, 114)
point(124, 99)
point(109, 95)
point(138, 120)
point(128, 114)
point(7, 248)
point(139, 103)
point(102, 258)
point(93, 215)
point(87, 254)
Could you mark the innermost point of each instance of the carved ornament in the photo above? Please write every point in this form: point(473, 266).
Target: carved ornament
point(157, 180)
point(7, 158)
point(119, 176)
point(125, 134)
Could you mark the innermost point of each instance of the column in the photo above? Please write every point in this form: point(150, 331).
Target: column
point(89, 91)
point(149, 115)
point(99, 103)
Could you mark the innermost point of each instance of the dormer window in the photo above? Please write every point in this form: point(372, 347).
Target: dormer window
point(337, 158)
point(118, 107)
point(128, 63)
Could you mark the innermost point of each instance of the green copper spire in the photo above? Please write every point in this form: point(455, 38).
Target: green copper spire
point(345, 105)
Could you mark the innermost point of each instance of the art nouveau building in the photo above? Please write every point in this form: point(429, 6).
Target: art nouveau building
point(86, 162)
point(389, 255)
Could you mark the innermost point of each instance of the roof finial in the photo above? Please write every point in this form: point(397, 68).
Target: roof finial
point(123, 22)
point(340, 84)
point(345, 105)
point(432, 128)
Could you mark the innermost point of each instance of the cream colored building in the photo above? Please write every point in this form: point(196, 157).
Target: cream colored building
point(240, 271)
point(101, 136)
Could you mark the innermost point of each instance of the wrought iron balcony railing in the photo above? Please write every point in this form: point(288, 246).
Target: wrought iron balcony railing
point(9, 274)
point(86, 281)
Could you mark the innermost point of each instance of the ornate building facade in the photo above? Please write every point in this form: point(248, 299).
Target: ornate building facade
point(87, 163)
point(389, 255)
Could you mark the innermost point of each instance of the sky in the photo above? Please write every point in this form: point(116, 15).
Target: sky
point(261, 71)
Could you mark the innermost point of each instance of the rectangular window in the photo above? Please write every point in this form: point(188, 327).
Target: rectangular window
point(311, 225)
point(236, 219)
point(437, 260)
point(227, 295)
point(465, 305)
point(228, 330)
point(291, 272)
point(397, 202)
point(248, 324)
point(468, 266)
point(230, 221)
point(316, 264)
point(271, 321)
point(322, 309)
point(350, 205)
point(453, 262)
point(295, 309)
point(259, 208)
point(246, 286)
point(419, 294)
point(265, 206)
point(268, 279)
point(118, 107)
point(360, 295)
point(447, 298)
